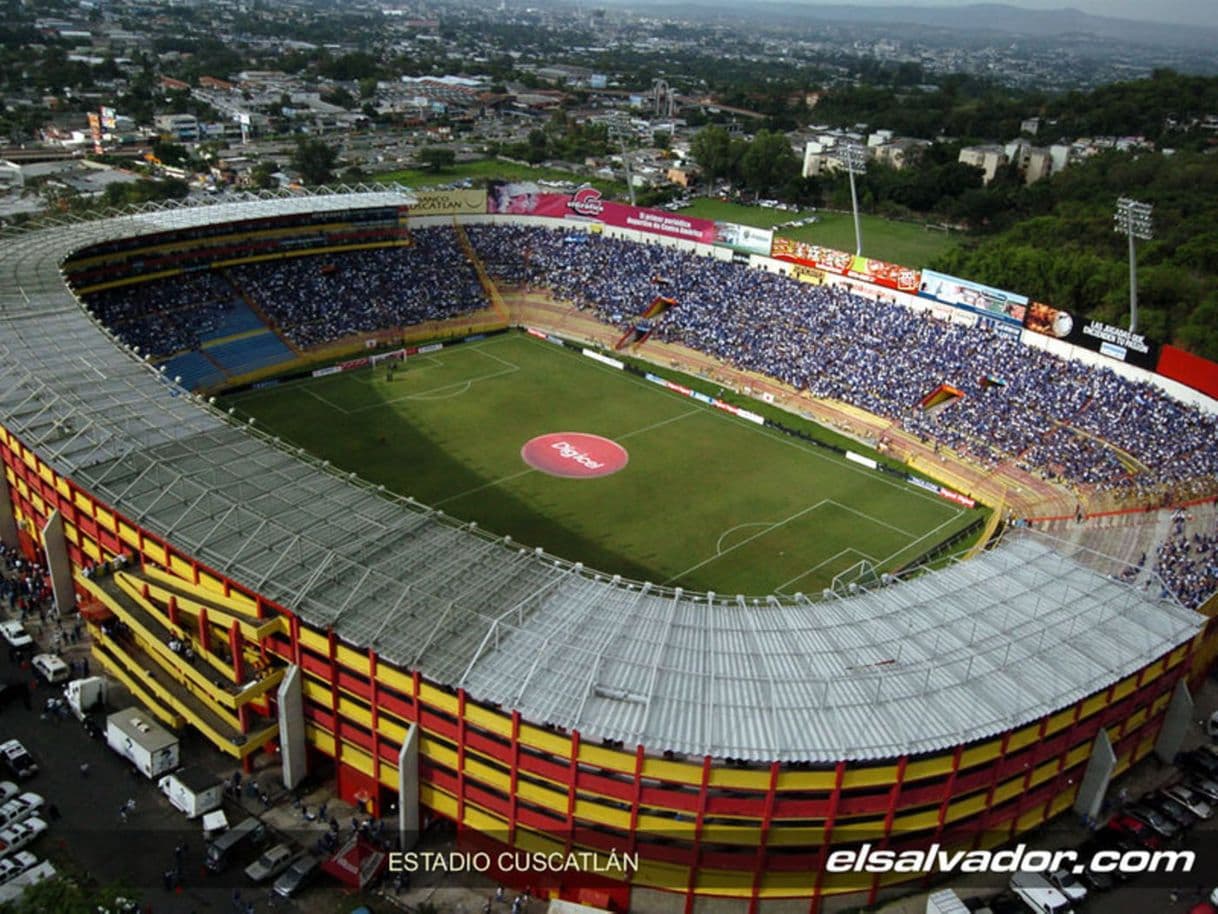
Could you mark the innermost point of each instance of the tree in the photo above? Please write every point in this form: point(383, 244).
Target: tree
point(436, 158)
point(314, 159)
point(769, 163)
point(715, 151)
point(67, 896)
point(262, 175)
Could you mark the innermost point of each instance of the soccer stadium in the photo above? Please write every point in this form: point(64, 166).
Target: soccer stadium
point(605, 532)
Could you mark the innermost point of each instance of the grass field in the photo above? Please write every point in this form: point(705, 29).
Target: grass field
point(707, 500)
point(905, 243)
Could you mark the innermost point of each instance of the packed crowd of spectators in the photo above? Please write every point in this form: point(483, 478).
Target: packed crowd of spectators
point(1064, 419)
point(326, 297)
point(1188, 564)
point(166, 316)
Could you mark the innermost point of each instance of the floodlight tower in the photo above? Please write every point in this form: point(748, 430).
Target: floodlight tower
point(1133, 220)
point(854, 157)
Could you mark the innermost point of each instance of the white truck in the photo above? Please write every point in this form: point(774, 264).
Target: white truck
point(85, 695)
point(1039, 895)
point(945, 901)
point(193, 790)
point(134, 735)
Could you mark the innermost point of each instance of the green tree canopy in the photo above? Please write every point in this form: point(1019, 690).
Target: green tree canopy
point(314, 159)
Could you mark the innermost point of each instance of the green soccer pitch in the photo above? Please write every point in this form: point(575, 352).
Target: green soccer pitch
point(707, 501)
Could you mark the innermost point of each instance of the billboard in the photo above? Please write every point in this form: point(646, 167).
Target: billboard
point(880, 272)
point(1106, 339)
point(744, 238)
point(588, 205)
point(997, 307)
point(450, 203)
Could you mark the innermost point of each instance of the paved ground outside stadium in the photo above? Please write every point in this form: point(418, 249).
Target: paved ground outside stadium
point(706, 501)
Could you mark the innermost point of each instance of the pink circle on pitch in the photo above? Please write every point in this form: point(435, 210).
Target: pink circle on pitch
point(574, 455)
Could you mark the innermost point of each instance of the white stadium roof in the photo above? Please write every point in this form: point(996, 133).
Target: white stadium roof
point(923, 664)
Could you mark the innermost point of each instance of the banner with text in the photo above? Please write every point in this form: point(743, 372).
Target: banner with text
point(1106, 339)
point(879, 272)
point(995, 305)
point(744, 238)
point(449, 203)
point(588, 205)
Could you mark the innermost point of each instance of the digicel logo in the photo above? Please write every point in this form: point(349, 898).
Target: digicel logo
point(567, 452)
point(587, 202)
point(574, 455)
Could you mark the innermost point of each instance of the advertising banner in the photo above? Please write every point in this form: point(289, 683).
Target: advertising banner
point(812, 255)
point(744, 238)
point(1106, 339)
point(588, 205)
point(808, 274)
point(998, 306)
point(880, 272)
point(450, 203)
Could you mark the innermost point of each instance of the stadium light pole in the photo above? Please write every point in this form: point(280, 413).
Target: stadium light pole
point(1133, 220)
point(854, 157)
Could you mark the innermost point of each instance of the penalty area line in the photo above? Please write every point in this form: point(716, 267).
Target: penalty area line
point(744, 542)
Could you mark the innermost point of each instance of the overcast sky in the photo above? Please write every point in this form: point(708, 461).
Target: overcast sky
point(1186, 12)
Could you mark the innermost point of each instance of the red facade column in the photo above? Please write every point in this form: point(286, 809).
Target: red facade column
point(572, 780)
point(460, 761)
point(515, 756)
point(767, 819)
point(235, 645)
point(827, 836)
point(204, 631)
point(696, 854)
point(374, 708)
point(894, 795)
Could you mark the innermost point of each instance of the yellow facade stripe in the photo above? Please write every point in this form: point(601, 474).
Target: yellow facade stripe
point(136, 685)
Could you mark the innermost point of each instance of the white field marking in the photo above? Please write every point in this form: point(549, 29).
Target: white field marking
point(330, 403)
point(810, 450)
point(819, 565)
point(875, 520)
point(464, 388)
point(487, 485)
point(926, 535)
point(445, 391)
point(729, 530)
point(654, 425)
point(748, 539)
point(368, 378)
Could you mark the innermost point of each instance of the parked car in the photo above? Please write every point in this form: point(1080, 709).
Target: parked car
point(270, 864)
point(297, 876)
point(1172, 809)
point(14, 866)
point(1094, 880)
point(8, 790)
point(1066, 883)
point(16, 635)
point(1207, 787)
point(1199, 762)
point(17, 836)
point(51, 668)
point(19, 808)
point(1141, 833)
point(1112, 839)
point(1190, 799)
point(18, 761)
point(1155, 819)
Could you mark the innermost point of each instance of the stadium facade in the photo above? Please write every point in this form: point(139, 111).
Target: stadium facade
point(728, 743)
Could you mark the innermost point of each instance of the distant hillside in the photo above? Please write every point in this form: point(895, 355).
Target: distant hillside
point(975, 19)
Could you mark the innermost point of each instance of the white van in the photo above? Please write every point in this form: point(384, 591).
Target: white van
point(1035, 891)
point(51, 668)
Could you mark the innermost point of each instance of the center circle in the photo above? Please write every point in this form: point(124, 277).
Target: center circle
point(574, 455)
